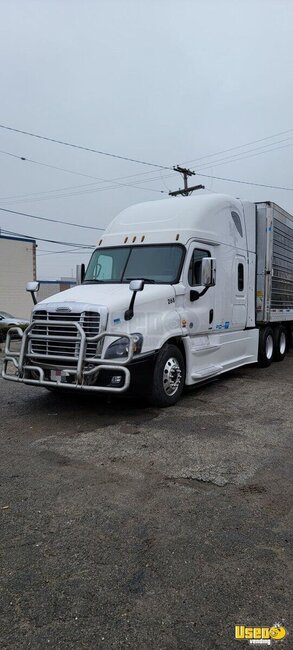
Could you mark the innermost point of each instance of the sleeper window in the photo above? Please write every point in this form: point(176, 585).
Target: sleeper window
point(237, 222)
point(240, 277)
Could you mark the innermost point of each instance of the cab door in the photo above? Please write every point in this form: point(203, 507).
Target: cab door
point(200, 312)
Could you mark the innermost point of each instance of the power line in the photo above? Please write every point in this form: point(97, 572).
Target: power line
point(235, 159)
point(220, 162)
point(83, 148)
point(62, 169)
point(99, 179)
point(71, 171)
point(74, 251)
point(240, 146)
point(233, 180)
point(20, 198)
point(212, 155)
point(65, 223)
point(51, 241)
point(242, 156)
point(37, 199)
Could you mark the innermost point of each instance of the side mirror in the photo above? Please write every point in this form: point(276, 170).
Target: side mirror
point(208, 272)
point(80, 273)
point(194, 295)
point(136, 285)
point(33, 287)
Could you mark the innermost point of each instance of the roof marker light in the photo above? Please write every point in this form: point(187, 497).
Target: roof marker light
point(125, 240)
point(133, 239)
point(177, 236)
point(100, 242)
point(143, 238)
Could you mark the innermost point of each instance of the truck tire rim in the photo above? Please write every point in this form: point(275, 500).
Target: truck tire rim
point(282, 343)
point(171, 376)
point(269, 346)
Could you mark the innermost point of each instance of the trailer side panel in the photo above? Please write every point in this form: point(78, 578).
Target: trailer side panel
point(274, 287)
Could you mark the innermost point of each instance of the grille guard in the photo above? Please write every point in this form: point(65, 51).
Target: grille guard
point(20, 359)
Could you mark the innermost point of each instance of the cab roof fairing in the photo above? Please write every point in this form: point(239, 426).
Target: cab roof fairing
point(195, 217)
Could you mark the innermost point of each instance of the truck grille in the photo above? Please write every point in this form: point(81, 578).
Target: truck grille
point(89, 321)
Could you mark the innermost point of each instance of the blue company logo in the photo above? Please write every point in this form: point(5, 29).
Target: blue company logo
point(225, 325)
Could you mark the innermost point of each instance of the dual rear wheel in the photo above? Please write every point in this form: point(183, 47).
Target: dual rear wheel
point(272, 346)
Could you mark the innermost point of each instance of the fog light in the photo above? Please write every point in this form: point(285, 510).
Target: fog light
point(116, 380)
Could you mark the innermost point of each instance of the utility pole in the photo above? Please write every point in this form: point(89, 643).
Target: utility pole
point(187, 190)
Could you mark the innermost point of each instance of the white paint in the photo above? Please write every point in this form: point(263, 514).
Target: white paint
point(218, 328)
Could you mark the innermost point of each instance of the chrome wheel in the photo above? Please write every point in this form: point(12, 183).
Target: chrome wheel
point(171, 376)
point(282, 343)
point(269, 347)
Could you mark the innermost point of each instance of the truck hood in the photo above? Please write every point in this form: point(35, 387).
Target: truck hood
point(111, 296)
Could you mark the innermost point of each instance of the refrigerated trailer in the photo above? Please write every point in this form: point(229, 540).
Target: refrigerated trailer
point(177, 292)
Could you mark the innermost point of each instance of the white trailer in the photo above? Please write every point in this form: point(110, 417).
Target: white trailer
point(177, 292)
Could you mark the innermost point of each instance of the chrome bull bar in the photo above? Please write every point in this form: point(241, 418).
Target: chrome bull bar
point(23, 369)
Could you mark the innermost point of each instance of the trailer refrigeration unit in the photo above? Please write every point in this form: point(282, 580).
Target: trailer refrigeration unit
point(177, 292)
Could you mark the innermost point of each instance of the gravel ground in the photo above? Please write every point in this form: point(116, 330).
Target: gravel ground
point(132, 527)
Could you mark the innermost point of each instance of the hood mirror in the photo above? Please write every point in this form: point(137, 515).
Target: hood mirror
point(135, 286)
point(33, 287)
point(80, 273)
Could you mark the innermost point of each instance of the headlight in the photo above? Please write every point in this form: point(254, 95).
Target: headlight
point(120, 348)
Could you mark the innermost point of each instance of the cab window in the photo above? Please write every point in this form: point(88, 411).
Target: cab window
point(194, 271)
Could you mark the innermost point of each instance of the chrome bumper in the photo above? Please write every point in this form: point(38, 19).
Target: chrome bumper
point(22, 361)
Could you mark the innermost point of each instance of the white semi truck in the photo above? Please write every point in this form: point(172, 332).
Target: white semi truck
point(177, 292)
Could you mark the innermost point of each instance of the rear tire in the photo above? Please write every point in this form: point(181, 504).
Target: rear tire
point(265, 347)
point(169, 377)
point(280, 343)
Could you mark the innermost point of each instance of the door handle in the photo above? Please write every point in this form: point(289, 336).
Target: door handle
point(211, 316)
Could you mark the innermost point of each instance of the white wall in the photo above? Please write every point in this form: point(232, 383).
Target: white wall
point(17, 267)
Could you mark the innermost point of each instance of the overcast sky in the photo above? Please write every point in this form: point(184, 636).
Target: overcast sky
point(162, 81)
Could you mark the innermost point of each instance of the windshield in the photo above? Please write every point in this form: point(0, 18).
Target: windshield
point(156, 264)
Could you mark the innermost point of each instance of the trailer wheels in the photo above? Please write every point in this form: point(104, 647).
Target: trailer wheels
point(169, 377)
point(280, 343)
point(265, 347)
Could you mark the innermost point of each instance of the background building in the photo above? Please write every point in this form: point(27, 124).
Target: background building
point(17, 267)
point(49, 287)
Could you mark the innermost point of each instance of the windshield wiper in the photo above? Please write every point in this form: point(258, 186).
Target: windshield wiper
point(93, 281)
point(144, 279)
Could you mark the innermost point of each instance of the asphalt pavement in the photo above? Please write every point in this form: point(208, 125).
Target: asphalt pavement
point(125, 526)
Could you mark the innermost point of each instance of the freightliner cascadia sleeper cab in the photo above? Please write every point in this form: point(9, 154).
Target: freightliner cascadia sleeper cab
point(177, 292)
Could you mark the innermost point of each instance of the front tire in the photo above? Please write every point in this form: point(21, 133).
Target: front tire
point(169, 377)
point(280, 343)
point(265, 347)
